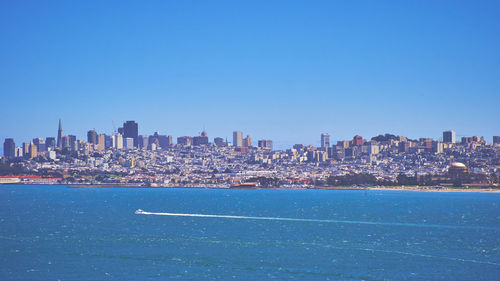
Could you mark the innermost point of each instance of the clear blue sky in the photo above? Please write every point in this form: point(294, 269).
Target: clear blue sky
point(283, 70)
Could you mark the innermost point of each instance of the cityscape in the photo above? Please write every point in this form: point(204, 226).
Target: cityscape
point(250, 140)
point(126, 158)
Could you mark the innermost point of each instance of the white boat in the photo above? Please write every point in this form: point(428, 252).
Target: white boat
point(139, 211)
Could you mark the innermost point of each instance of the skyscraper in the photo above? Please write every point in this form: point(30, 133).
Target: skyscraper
point(247, 142)
point(40, 144)
point(143, 141)
point(59, 135)
point(101, 142)
point(92, 137)
point(131, 130)
point(449, 136)
point(237, 139)
point(357, 140)
point(266, 144)
point(202, 139)
point(119, 141)
point(496, 140)
point(325, 140)
point(219, 141)
point(50, 142)
point(9, 148)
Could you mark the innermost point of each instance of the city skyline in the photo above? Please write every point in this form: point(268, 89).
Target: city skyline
point(130, 129)
point(283, 70)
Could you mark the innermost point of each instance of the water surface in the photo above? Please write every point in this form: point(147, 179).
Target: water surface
point(55, 232)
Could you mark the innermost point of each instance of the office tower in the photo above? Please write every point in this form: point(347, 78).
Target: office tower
point(426, 142)
point(404, 147)
point(162, 141)
point(18, 153)
point(131, 130)
point(72, 145)
point(109, 141)
point(325, 140)
point(101, 142)
point(143, 141)
point(219, 142)
point(9, 148)
point(92, 137)
point(247, 142)
point(50, 142)
point(184, 140)
point(119, 141)
point(128, 143)
point(496, 140)
point(40, 144)
point(343, 144)
point(165, 141)
point(59, 135)
point(266, 144)
point(26, 149)
point(373, 148)
point(437, 147)
point(32, 151)
point(237, 139)
point(357, 140)
point(202, 139)
point(449, 136)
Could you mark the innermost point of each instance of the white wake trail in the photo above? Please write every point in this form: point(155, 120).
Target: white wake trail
point(140, 212)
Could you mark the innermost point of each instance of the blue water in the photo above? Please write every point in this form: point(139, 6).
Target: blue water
point(55, 232)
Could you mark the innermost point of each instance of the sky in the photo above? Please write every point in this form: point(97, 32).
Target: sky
point(281, 70)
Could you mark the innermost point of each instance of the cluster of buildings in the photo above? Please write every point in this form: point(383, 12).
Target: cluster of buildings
point(125, 157)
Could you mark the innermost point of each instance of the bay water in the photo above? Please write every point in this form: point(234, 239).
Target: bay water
point(61, 233)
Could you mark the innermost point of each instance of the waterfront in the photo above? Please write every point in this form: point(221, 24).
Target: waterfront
point(55, 232)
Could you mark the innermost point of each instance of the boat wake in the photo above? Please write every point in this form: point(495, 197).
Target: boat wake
point(142, 212)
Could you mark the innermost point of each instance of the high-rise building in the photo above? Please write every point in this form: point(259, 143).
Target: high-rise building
point(247, 142)
point(131, 130)
point(26, 149)
point(92, 137)
point(184, 140)
point(50, 142)
point(265, 144)
point(202, 139)
point(32, 151)
point(237, 139)
point(496, 140)
point(109, 142)
point(72, 142)
point(40, 144)
point(437, 147)
point(65, 143)
point(119, 141)
point(325, 140)
point(101, 142)
point(9, 148)
point(357, 140)
point(59, 135)
point(128, 143)
point(162, 141)
point(449, 136)
point(343, 144)
point(143, 141)
point(373, 148)
point(18, 152)
point(219, 141)
point(404, 147)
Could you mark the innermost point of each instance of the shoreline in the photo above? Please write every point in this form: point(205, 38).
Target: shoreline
point(394, 188)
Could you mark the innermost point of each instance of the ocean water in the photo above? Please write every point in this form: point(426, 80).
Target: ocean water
point(60, 233)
